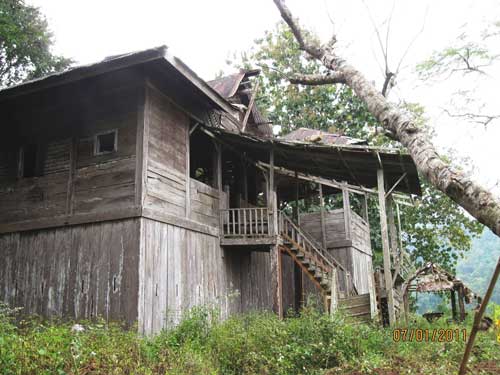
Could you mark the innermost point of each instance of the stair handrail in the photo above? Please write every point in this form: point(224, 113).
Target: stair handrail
point(325, 255)
point(328, 258)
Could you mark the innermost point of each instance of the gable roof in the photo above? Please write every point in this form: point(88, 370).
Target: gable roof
point(158, 54)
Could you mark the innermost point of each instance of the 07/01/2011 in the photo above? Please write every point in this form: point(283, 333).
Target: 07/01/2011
point(429, 335)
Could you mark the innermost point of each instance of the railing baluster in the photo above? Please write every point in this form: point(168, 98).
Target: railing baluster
point(245, 223)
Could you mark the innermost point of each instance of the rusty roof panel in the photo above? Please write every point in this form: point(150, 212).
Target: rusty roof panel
point(321, 137)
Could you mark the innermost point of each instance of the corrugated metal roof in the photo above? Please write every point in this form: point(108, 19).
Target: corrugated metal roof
point(355, 164)
point(228, 85)
point(321, 137)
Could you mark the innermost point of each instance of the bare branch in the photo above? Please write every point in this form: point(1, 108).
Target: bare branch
point(474, 117)
point(317, 79)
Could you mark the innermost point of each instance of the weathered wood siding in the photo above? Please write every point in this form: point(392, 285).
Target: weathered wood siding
point(204, 203)
point(70, 179)
point(179, 269)
point(166, 132)
point(80, 271)
point(353, 252)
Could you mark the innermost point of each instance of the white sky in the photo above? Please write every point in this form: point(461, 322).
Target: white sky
point(204, 33)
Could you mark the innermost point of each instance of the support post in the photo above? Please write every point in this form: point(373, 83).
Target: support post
point(461, 302)
point(393, 237)
point(276, 280)
point(297, 272)
point(453, 305)
point(322, 216)
point(385, 247)
point(347, 210)
point(334, 292)
point(272, 199)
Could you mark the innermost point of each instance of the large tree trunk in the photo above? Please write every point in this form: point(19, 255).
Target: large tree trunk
point(478, 201)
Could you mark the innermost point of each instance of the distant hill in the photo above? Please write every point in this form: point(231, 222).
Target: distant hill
point(476, 268)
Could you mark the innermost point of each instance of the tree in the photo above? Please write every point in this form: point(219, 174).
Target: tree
point(401, 127)
point(436, 229)
point(25, 43)
point(473, 62)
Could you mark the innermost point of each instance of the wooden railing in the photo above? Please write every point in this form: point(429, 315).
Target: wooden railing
point(292, 233)
point(245, 222)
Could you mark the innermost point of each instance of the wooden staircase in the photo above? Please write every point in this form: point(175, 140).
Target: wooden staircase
point(323, 270)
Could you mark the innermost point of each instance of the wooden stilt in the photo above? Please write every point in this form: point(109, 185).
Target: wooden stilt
point(334, 292)
point(461, 302)
point(297, 272)
point(453, 305)
point(385, 247)
point(322, 216)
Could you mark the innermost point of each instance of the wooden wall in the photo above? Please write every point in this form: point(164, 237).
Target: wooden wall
point(71, 180)
point(166, 133)
point(353, 252)
point(80, 271)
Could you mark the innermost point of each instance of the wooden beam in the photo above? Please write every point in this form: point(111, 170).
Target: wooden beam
point(276, 281)
point(250, 106)
point(396, 184)
point(322, 216)
point(385, 246)
point(393, 237)
point(324, 181)
point(334, 298)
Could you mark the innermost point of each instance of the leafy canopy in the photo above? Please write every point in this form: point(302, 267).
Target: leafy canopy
point(25, 43)
point(435, 229)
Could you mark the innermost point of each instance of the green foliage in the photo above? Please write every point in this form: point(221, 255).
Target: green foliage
point(436, 229)
point(329, 107)
point(256, 343)
point(25, 43)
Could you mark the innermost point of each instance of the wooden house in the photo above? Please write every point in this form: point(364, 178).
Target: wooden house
point(132, 189)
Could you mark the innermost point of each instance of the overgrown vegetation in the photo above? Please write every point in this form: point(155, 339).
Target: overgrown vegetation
point(258, 343)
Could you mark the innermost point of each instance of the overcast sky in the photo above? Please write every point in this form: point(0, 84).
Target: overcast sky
point(204, 33)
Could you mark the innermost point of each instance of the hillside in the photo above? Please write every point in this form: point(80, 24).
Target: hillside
point(477, 266)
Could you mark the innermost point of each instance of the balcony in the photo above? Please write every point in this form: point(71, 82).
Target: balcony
point(246, 226)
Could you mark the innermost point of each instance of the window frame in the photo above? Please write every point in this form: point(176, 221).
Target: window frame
point(97, 142)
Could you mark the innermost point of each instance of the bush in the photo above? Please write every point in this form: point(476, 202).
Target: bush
point(254, 343)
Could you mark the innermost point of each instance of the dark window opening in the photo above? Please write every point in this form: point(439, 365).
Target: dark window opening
point(105, 143)
point(202, 163)
point(29, 160)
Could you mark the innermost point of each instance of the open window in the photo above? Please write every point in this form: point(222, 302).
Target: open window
point(28, 161)
point(202, 163)
point(106, 142)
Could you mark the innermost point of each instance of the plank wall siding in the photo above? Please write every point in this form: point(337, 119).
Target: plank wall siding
point(349, 245)
point(80, 271)
point(71, 181)
point(167, 129)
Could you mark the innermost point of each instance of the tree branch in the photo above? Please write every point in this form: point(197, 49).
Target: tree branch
point(474, 198)
point(317, 79)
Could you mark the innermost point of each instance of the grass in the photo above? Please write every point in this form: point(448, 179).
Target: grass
point(255, 343)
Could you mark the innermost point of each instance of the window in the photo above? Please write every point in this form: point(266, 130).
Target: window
point(28, 160)
point(105, 143)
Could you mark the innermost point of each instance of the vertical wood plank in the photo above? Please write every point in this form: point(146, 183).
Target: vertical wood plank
point(322, 216)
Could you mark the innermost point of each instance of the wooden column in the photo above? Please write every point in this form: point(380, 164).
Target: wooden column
point(385, 247)
point(393, 238)
point(322, 216)
point(188, 176)
point(334, 292)
point(276, 273)
point(346, 203)
point(297, 271)
point(461, 302)
point(453, 305)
